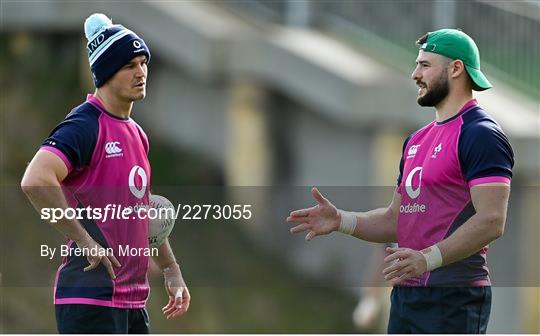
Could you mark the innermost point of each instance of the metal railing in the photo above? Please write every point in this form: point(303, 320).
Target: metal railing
point(507, 33)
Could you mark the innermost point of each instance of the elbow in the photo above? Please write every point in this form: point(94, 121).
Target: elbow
point(497, 233)
point(495, 223)
point(28, 184)
point(31, 182)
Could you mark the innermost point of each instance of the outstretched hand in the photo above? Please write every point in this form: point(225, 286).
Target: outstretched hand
point(320, 219)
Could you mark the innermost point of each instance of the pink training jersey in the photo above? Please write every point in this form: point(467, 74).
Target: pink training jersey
point(107, 160)
point(440, 163)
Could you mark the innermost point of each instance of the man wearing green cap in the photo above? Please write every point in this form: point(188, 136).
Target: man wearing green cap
point(449, 204)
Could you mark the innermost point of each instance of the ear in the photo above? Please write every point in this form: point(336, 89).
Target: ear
point(456, 68)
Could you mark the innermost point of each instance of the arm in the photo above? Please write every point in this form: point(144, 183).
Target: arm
point(490, 201)
point(41, 184)
point(378, 225)
point(175, 285)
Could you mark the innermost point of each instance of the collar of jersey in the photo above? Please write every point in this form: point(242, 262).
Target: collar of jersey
point(470, 105)
point(90, 98)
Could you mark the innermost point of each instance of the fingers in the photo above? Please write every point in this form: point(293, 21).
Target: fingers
point(95, 261)
point(297, 219)
point(178, 305)
point(318, 196)
point(169, 305)
point(177, 313)
point(400, 279)
point(186, 299)
point(394, 267)
point(169, 308)
point(399, 272)
point(108, 266)
point(391, 250)
point(396, 254)
point(114, 261)
point(299, 213)
point(300, 228)
point(311, 235)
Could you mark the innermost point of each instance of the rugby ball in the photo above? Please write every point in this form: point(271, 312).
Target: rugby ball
point(161, 223)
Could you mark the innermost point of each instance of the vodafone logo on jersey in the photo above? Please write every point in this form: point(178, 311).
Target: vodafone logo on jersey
point(409, 188)
point(413, 184)
point(112, 149)
point(138, 181)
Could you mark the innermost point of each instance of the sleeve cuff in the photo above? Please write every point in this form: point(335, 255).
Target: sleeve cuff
point(489, 179)
point(60, 154)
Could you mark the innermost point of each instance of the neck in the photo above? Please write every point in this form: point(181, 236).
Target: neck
point(115, 106)
point(451, 105)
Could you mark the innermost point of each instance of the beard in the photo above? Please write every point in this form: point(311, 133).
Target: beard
point(436, 94)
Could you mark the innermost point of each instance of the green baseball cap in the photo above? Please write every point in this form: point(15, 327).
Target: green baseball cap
point(455, 44)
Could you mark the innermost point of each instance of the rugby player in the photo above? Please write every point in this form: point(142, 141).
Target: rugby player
point(449, 204)
point(95, 157)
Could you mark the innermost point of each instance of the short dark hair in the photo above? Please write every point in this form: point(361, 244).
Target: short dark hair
point(422, 39)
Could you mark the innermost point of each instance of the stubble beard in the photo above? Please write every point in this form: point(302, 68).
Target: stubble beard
point(436, 94)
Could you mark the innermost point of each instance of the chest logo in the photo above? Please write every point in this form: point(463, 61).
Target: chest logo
point(409, 188)
point(436, 150)
point(137, 181)
point(412, 151)
point(112, 149)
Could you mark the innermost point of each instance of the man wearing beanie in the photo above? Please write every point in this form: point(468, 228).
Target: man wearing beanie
point(97, 157)
point(450, 200)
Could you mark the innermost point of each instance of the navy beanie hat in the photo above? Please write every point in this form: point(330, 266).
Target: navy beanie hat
point(110, 47)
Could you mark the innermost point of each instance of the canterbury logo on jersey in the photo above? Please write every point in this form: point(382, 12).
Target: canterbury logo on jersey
point(112, 149)
point(412, 151)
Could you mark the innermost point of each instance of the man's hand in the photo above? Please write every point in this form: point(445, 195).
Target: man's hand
point(94, 260)
point(177, 290)
point(321, 219)
point(407, 263)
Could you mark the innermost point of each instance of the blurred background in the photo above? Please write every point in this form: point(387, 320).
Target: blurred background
point(257, 101)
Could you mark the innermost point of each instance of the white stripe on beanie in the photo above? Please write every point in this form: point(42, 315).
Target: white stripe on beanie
point(102, 48)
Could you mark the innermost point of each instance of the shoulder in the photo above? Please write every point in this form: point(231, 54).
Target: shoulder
point(483, 148)
point(84, 115)
point(75, 137)
point(480, 128)
point(478, 120)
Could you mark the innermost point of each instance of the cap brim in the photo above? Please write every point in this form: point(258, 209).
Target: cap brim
point(480, 82)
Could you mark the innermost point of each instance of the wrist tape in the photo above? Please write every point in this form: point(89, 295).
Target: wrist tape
point(433, 257)
point(348, 222)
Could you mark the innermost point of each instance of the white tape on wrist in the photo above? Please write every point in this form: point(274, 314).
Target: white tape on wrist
point(348, 222)
point(433, 257)
point(178, 294)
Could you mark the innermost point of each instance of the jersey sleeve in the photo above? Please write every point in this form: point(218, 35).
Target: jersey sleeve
point(485, 154)
point(74, 139)
point(402, 162)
